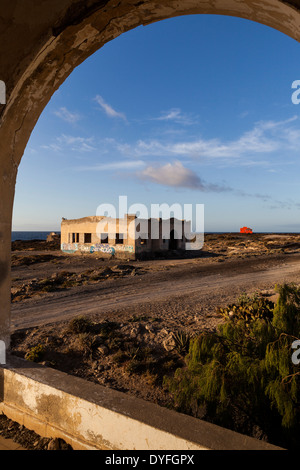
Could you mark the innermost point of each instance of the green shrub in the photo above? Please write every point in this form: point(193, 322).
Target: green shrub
point(134, 352)
point(249, 308)
point(243, 373)
point(35, 354)
point(182, 341)
point(79, 325)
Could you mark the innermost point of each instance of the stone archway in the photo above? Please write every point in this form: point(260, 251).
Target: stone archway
point(43, 42)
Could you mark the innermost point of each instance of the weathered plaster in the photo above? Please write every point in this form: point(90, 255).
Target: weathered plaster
point(88, 415)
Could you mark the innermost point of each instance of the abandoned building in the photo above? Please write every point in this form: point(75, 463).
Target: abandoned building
point(126, 237)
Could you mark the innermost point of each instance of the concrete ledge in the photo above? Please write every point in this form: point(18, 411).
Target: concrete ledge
point(90, 416)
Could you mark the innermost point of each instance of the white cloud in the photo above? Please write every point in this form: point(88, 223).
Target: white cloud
point(170, 115)
point(266, 138)
point(74, 143)
point(53, 147)
point(177, 116)
point(108, 109)
point(176, 175)
point(77, 143)
point(119, 165)
point(243, 114)
point(67, 115)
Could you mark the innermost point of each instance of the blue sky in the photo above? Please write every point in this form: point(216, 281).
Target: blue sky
point(191, 110)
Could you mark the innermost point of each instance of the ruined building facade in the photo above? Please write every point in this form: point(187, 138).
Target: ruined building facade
point(128, 237)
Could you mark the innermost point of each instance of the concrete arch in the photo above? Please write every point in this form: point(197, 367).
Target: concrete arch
point(41, 43)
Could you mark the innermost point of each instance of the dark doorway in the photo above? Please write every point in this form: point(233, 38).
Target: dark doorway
point(173, 245)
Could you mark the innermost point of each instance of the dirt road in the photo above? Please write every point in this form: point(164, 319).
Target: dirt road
point(181, 292)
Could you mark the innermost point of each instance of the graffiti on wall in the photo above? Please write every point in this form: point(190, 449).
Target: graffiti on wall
point(97, 248)
point(128, 248)
point(69, 247)
point(102, 248)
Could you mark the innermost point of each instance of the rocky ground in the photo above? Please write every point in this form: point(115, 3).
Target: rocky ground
point(44, 268)
point(131, 346)
point(131, 356)
point(29, 440)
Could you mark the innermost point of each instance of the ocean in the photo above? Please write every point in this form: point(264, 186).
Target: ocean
point(43, 235)
point(30, 235)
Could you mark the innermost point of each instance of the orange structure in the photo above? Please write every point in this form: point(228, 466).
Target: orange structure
point(246, 230)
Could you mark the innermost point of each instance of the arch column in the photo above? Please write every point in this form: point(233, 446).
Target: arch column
point(7, 190)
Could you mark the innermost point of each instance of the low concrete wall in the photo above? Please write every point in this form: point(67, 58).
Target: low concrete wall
point(90, 416)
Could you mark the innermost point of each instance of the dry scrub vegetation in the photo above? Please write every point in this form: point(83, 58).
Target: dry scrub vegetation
point(239, 375)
